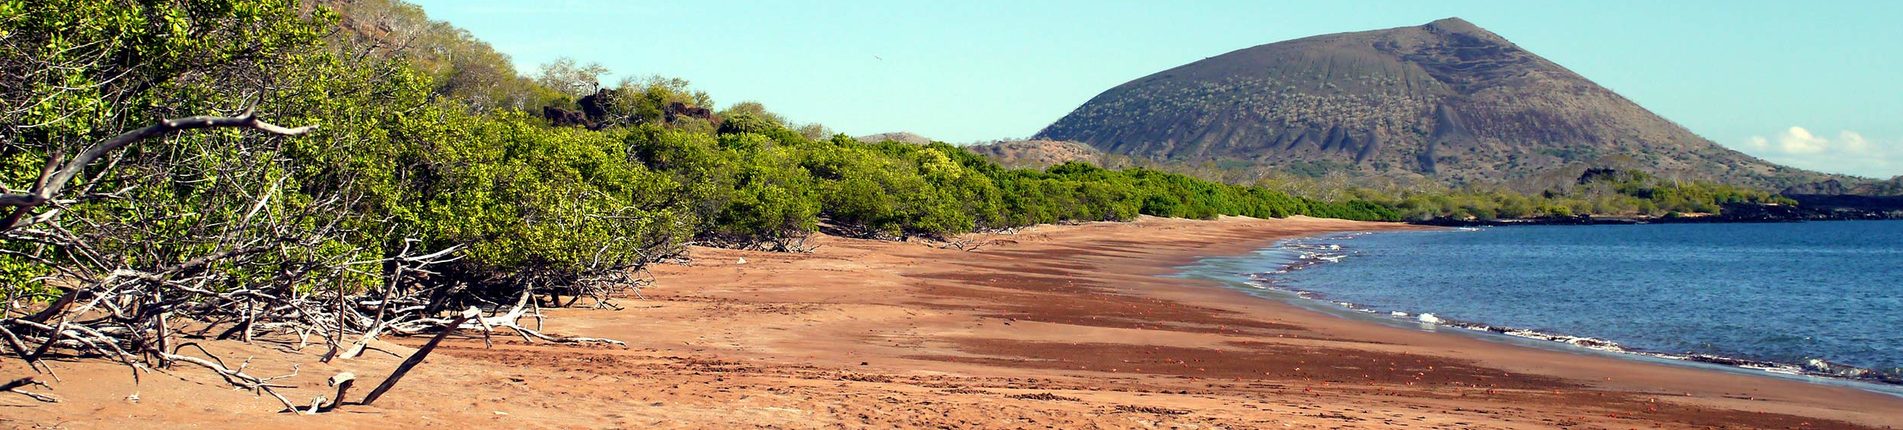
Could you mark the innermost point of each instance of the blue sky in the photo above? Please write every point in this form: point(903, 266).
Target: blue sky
point(1817, 85)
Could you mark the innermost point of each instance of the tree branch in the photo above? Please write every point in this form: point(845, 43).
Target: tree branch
point(52, 181)
point(15, 385)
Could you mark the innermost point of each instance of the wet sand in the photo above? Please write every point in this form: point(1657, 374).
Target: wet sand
point(1051, 327)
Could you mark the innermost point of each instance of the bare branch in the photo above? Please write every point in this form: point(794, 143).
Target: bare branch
point(51, 184)
point(14, 387)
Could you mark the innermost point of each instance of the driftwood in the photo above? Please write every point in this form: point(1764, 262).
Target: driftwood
point(787, 241)
point(968, 243)
point(342, 381)
point(236, 377)
point(15, 385)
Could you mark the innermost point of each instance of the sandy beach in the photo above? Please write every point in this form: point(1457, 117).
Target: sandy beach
point(1070, 326)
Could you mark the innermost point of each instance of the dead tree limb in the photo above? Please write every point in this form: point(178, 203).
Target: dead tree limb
point(967, 244)
point(403, 369)
point(119, 299)
point(342, 381)
point(236, 377)
point(14, 387)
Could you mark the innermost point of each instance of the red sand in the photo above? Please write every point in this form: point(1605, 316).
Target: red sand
point(1054, 327)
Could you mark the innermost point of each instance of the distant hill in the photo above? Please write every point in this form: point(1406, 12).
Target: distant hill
point(1036, 153)
point(897, 136)
point(1447, 101)
point(465, 68)
point(1833, 187)
point(1033, 153)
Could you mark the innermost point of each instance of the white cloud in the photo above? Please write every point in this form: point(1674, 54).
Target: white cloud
point(1853, 142)
point(1797, 140)
point(1847, 152)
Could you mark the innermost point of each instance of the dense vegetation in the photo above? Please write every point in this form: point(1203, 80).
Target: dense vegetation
point(1601, 191)
point(436, 144)
point(1597, 192)
point(431, 140)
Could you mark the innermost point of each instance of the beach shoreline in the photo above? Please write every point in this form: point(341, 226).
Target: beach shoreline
point(1305, 252)
point(1065, 326)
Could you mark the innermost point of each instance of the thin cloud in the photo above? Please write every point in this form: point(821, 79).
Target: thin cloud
point(1847, 152)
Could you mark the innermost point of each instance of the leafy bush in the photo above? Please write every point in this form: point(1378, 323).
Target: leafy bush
point(419, 149)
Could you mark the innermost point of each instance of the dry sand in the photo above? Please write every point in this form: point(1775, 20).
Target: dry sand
point(1053, 327)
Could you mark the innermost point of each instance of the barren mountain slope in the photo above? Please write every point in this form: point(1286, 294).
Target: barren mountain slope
point(1448, 101)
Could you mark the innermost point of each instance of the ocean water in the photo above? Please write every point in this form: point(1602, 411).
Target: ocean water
point(1820, 298)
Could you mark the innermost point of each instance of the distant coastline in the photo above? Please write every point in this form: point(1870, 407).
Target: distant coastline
point(1810, 207)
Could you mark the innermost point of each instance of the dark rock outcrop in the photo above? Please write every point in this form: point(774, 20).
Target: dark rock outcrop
point(677, 110)
point(599, 110)
point(598, 105)
point(565, 118)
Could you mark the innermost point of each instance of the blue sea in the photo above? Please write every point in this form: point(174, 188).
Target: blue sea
point(1819, 298)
